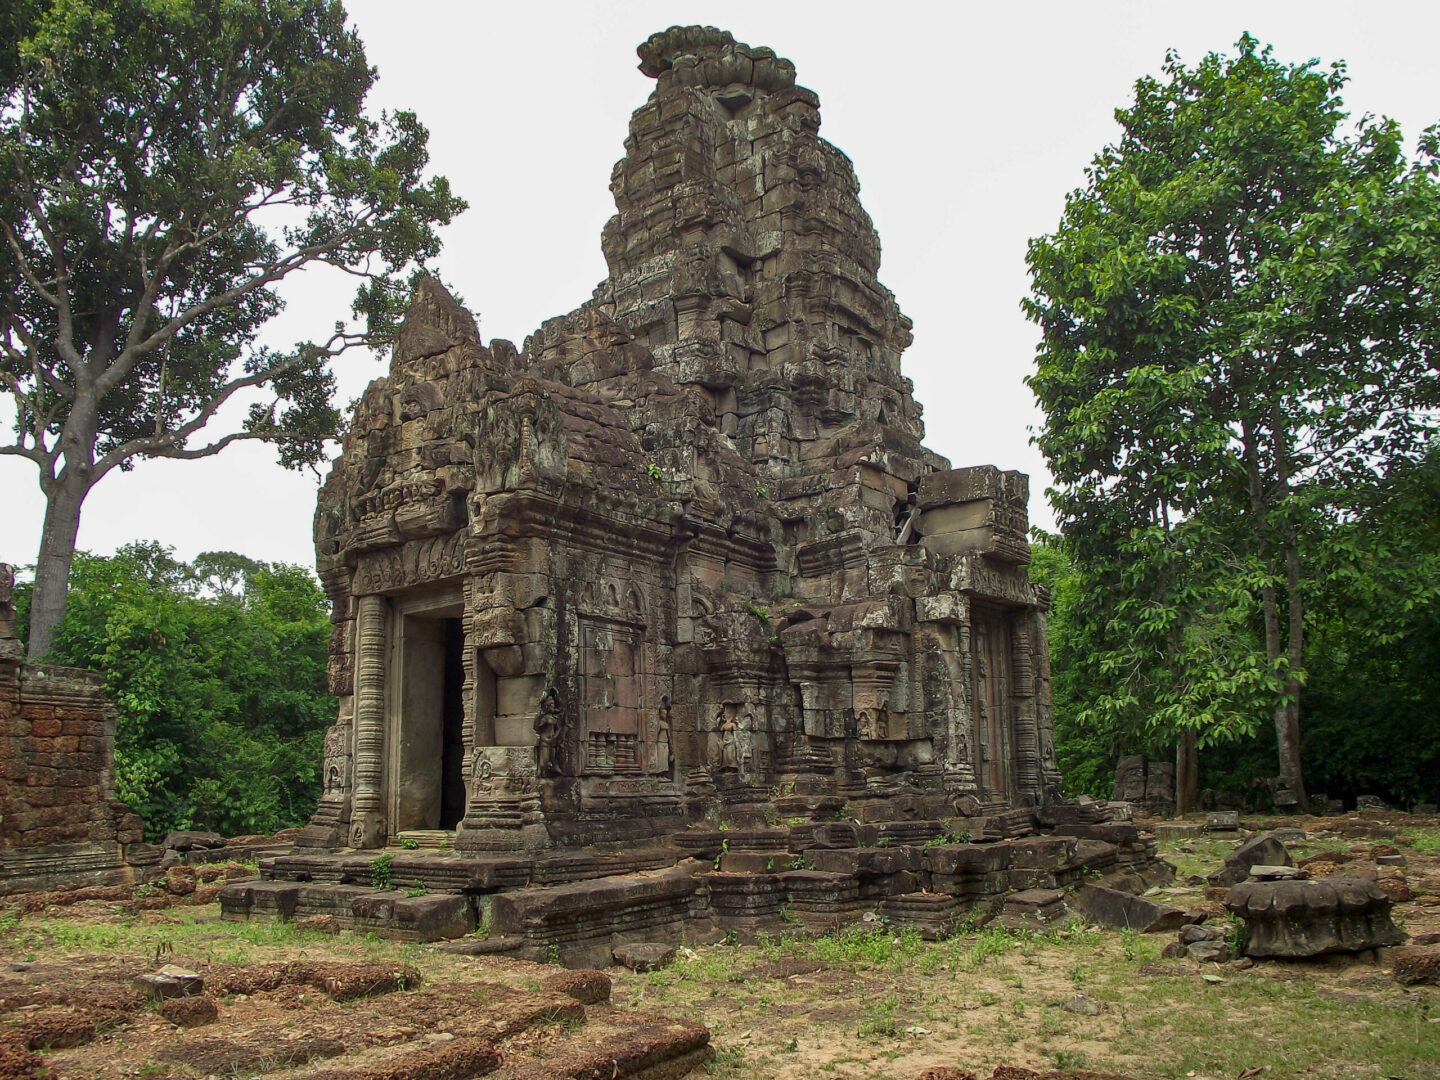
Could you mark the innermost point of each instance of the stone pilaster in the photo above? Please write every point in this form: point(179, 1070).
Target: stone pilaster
point(367, 817)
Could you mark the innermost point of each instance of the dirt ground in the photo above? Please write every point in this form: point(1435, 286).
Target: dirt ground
point(873, 1002)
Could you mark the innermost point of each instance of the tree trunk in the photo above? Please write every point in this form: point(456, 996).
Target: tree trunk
point(52, 565)
point(1187, 773)
point(1287, 718)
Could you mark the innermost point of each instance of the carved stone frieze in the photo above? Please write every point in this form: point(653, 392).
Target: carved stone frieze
point(418, 562)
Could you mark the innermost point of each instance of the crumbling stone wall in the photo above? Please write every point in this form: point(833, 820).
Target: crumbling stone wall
point(59, 819)
point(1146, 782)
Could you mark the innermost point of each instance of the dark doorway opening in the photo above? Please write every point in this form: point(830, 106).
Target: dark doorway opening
point(452, 750)
point(427, 785)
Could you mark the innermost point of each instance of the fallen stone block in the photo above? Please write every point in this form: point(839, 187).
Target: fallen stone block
point(1189, 935)
point(644, 956)
point(1081, 1005)
point(1309, 918)
point(1262, 850)
point(1209, 952)
point(191, 839)
point(171, 982)
point(585, 985)
point(1416, 965)
point(1122, 911)
point(1034, 909)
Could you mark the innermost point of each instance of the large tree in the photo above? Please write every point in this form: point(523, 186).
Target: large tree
point(1239, 324)
point(164, 164)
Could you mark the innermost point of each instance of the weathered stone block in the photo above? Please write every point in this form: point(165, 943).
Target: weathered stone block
point(1308, 918)
point(1262, 850)
point(1122, 911)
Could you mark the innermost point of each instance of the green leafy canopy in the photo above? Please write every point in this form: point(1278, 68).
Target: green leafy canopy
point(1239, 323)
point(164, 164)
point(217, 672)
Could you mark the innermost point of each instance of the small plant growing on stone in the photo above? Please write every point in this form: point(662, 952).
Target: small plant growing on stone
point(797, 863)
point(418, 889)
point(760, 611)
point(409, 843)
point(760, 490)
point(381, 872)
point(653, 471)
point(1236, 936)
point(724, 850)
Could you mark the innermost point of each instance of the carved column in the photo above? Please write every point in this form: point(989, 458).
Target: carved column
point(367, 818)
point(1028, 781)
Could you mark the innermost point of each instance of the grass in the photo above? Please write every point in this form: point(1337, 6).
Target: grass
point(1423, 841)
point(886, 1004)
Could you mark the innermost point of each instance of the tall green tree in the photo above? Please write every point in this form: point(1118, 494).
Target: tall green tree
point(1239, 320)
point(164, 164)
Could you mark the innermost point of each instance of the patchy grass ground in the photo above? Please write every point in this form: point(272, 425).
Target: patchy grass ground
point(870, 1003)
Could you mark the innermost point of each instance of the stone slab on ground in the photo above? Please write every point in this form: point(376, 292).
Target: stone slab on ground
point(643, 956)
point(1122, 911)
point(170, 981)
point(1416, 964)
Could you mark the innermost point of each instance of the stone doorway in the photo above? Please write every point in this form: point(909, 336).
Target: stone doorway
point(993, 702)
point(427, 719)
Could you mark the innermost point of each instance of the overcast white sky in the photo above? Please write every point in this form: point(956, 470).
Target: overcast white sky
point(967, 124)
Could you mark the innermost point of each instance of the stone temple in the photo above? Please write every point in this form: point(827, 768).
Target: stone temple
point(683, 560)
point(684, 555)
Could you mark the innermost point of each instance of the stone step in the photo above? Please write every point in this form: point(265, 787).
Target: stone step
point(423, 838)
point(388, 912)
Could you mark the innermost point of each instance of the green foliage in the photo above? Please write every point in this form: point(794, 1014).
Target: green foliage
point(1239, 320)
point(880, 1018)
point(418, 889)
point(409, 843)
point(164, 164)
point(220, 697)
point(381, 871)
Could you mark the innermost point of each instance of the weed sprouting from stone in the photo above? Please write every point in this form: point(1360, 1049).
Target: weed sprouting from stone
point(381, 872)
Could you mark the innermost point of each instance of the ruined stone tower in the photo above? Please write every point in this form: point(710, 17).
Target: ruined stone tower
point(684, 555)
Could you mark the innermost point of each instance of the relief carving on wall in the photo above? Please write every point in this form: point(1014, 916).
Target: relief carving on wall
point(418, 562)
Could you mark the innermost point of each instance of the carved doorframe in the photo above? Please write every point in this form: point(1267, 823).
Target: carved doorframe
point(446, 602)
